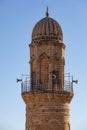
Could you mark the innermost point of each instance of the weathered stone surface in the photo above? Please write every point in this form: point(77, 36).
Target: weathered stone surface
point(47, 111)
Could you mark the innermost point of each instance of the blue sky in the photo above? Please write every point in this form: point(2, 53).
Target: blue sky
point(17, 19)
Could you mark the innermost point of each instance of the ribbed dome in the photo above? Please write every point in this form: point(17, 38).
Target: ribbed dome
point(47, 29)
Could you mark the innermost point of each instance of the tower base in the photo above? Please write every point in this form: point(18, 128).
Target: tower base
point(47, 111)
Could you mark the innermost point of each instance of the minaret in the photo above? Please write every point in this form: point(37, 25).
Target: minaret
point(47, 94)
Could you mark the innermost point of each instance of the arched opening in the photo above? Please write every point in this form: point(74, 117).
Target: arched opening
point(56, 79)
point(44, 69)
point(55, 125)
point(44, 72)
point(34, 75)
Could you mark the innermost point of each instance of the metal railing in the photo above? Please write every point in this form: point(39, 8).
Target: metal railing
point(46, 86)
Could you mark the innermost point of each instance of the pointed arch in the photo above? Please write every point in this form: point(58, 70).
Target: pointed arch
point(33, 58)
point(55, 124)
point(43, 55)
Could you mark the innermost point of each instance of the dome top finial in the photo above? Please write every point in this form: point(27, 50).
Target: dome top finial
point(47, 14)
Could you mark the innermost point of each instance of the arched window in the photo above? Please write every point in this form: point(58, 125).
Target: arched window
point(55, 71)
point(44, 69)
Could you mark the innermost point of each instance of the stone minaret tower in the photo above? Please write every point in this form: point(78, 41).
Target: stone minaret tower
point(47, 95)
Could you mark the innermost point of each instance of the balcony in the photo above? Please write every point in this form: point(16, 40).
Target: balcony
point(46, 86)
